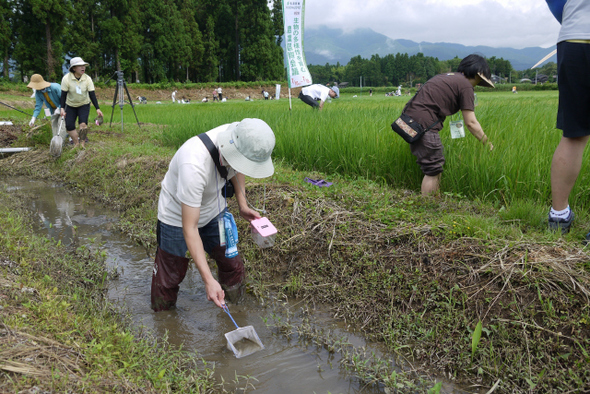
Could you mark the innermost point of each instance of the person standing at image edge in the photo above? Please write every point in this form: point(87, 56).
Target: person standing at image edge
point(77, 91)
point(573, 113)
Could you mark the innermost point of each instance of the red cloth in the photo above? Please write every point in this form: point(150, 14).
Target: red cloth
point(169, 271)
point(229, 271)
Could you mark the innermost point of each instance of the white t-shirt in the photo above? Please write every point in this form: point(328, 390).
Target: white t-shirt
point(317, 91)
point(192, 179)
point(575, 24)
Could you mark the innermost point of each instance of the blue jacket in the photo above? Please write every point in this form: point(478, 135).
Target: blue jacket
point(54, 93)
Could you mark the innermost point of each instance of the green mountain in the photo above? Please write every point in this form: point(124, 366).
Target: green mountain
point(324, 45)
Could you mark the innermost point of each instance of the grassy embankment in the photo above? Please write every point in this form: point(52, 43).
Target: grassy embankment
point(470, 283)
point(58, 332)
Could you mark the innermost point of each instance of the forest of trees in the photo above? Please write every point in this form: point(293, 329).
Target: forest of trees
point(393, 70)
point(187, 40)
point(149, 40)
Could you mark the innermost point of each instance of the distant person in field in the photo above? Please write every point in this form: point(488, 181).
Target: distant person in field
point(220, 93)
point(77, 91)
point(174, 96)
point(573, 116)
point(441, 96)
point(215, 95)
point(514, 89)
point(49, 94)
point(310, 95)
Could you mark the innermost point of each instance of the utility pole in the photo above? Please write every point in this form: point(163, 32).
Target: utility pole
point(361, 80)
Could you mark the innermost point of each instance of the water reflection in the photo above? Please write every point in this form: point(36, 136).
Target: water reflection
point(197, 325)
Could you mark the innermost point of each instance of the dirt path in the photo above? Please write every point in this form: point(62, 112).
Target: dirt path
point(106, 95)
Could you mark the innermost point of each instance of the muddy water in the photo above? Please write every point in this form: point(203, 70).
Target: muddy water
point(283, 366)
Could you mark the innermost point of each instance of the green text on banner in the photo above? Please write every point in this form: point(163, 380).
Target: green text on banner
point(293, 15)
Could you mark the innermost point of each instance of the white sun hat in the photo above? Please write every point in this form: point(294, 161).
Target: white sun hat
point(247, 146)
point(77, 61)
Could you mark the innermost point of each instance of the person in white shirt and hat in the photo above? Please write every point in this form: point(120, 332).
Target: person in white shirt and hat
point(310, 95)
point(77, 91)
point(192, 209)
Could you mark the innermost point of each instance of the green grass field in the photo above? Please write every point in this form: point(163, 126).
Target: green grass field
point(352, 136)
point(429, 278)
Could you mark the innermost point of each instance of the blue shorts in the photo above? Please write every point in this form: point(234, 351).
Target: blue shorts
point(573, 65)
point(171, 238)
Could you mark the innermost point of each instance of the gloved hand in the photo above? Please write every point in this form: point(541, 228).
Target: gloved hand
point(32, 122)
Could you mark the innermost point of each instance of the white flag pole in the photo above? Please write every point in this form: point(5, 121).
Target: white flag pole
point(545, 58)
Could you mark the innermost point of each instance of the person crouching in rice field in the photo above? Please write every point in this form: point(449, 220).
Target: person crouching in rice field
point(77, 91)
point(49, 94)
point(310, 95)
point(441, 96)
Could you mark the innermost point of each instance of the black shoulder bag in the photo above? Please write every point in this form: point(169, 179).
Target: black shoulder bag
point(410, 130)
point(228, 188)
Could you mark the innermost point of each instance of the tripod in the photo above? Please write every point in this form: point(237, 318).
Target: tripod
point(119, 92)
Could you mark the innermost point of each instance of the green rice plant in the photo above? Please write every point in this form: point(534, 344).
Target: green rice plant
point(475, 338)
point(352, 137)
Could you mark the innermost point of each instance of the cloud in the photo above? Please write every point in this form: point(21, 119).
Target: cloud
point(495, 23)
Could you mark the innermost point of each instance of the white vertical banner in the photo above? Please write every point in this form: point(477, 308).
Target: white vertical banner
point(293, 16)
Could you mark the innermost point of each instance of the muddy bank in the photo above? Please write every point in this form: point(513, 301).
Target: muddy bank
point(417, 279)
point(105, 95)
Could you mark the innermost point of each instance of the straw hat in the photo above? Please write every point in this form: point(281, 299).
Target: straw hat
point(247, 146)
point(485, 81)
point(38, 83)
point(77, 61)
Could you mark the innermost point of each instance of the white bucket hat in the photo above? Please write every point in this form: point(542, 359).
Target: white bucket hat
point(77, 61)
point(247, 146)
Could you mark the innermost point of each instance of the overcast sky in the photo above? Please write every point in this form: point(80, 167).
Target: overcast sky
point(495, 23)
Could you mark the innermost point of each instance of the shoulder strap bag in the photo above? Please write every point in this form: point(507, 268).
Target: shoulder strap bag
point(228, 189)
point(410, 130)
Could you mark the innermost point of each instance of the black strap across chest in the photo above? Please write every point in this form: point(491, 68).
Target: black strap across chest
point(214, 154)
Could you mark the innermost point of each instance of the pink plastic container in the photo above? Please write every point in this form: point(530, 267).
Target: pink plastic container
point(263, 232)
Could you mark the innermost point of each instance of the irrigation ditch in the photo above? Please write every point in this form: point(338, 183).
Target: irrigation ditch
point(441, 283)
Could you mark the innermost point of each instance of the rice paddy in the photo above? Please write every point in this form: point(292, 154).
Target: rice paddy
point(352, 136)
